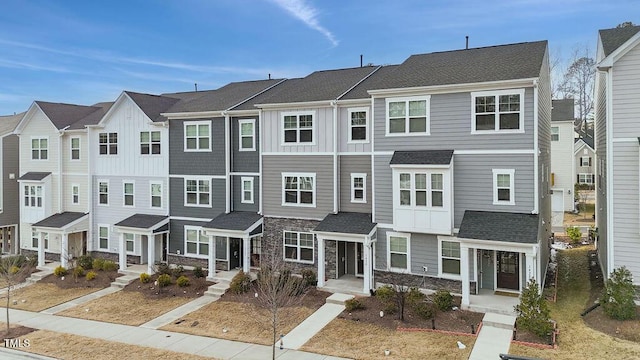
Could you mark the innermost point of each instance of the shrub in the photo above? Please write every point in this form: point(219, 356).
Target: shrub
point(240, 283)
point(78, 271)
point(13, 270)
point(177, 271)
point(145, 278)
point(164, 280)
point(353, 304)
point(617, 298)
point(574, 234)
point(163, 268)
point(533, 311)
point(310, 278)
point(415, 297)
point(183, 281)
point(443, 300)
point(60, 271)
point(109, 265)
point(386, 295)
point(97, 264)
point(297, 285)
point(197, 272)
point(424, 310)
point(86, 261)
point(90, 275)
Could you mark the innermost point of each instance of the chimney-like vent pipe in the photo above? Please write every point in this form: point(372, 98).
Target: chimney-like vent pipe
point(467, 42)
point(269, 76)
point(196, 86)
point(360, 60)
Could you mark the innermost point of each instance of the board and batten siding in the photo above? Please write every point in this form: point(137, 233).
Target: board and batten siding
point(10, 206)
point(350, 164)
point(197, 162)
point(450, 127)
point(238, 205)
point(244, 161)
point(272, 168)
point(177, 194)
point(272, 132)
point(343, 130)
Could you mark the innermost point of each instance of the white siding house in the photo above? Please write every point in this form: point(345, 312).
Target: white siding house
point(562, 150)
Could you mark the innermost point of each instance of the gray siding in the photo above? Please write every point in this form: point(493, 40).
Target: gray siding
point(384, 189)
point(349, 165)
point(272, 168)
point(176, 192)
point(244, 161)
point(601, 168)
point(10, 195)
point(176, 237)
point(237, 194)
point(424, 252)
point(196, 163)
point(544, 165)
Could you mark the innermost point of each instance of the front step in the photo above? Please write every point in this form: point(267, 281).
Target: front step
point(499, 321)
point(35, 277)
point(338, 298)
point(123, 281)
point(217, 290)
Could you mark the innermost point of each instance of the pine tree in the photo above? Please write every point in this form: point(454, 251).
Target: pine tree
point(533, 311)
point(617, 298)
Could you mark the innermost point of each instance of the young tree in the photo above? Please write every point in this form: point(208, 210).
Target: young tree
point(13, 269)
point(617, 298)
point(578, 82)
point(533, 311)
point(401, 285)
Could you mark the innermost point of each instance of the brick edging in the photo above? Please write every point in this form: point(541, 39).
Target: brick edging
point(441, 331)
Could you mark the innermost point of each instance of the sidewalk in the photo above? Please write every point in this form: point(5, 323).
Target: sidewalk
point(494, 338)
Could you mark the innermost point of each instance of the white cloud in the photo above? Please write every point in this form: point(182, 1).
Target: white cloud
point(306, 13)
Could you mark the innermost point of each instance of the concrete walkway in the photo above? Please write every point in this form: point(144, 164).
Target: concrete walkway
point(81, 300)
point(494, 338)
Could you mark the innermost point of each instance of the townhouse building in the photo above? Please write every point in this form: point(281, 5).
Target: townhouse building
point(562, 159)
point(585, 158)
point(9, 190)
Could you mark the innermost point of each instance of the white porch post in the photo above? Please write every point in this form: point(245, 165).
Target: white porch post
point(320, 262)
point(40, 249)
point(464, 272)
point(123, 253)
point(64, 250)
point(531, 268)
point(151, 253)
point(246, 254)
point(212, 256)
point(366, 259)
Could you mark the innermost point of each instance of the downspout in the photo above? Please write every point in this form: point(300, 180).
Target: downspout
point(609, 174)
point(536, 151)
point(89, 207)
point(60, 170)
point(372, 134)
point(336, 192)
point(227, 163)
point(260, 136)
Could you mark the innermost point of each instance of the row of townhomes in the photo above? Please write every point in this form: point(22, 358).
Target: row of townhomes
point(436, 169)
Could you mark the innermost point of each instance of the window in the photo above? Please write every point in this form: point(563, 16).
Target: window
point(108, 143)
point(497, 111)
point(75, 148)
point(358, 188)
point(196, 242)
point(450, 258)
point(33, 196)
point(156, 195)
point(197, 136)
point(298, 127)
point(408, 116)
point(221, 248)
point(398, 251)
point(197, 192)
point(437, 190)
point(247, 133)
point(75, 194)
point(247, 190)
point(150, 142)
point(585, 178)
point(421, 189)
point(585, 161)
point(298, 189)
point(39, 148)
point(298, 246)
point(503, 187)
point(555, 133)
point(128, 193)
point(129, 242)
point(103, 193)
point(35, 239)
point(103, 237)
point(358, 125)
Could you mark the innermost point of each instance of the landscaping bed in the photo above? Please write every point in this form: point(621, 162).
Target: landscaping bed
point(16, 331)
point(102, 280)
point(197, 285)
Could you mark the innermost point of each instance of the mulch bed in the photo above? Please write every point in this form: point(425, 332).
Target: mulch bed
point(197, 287)
point(312, 298)
point(16, 331)
point(459, 321)
point(102, 280)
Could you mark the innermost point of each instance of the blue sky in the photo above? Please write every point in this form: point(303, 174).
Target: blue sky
point(85, 52)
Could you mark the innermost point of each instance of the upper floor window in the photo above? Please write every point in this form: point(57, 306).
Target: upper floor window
point(247, 134)
point(197, 136)
point(358, 188)
point(128, 193)
point(297, 127)
point(555, 133)
point(498, 111)
point(150, 142)
point(247, 190)
point(103, 193)
point(298, 246)
point(39, 148)
point(503, 187)
point(197, 192)
point(108, 143)
point(75, 194)
point(33, 196)
point(196, 242)
point(358, 125)
point(156, 195)
point(408, 116)
point(75, 148)
point(421, 189)
point(299, 189)
point(585, 161)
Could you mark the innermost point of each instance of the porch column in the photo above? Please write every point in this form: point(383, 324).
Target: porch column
point(151, 253)
point(40, 249)
point(366, 259)
point(321, 260)
point(64, 250)
point(123, 253)
point(531, 269)
point(246, 254)
point(15, 240)
point(464, 272)
point(212, 256)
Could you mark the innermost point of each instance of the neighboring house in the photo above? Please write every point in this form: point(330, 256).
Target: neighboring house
point(54, 179)
point(562, 155)
point(9, 190)
point(584, 158)
point(617, 141)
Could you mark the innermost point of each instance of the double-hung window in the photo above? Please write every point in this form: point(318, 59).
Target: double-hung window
point(450, 258)
point(108, 143)
point(129, 241)
point(247, 190)
point(358, 188)
point(128, 193)
point(585, 178)
point(298, 246)
point(35, 239)
point(197, 136)
point(297, 128)
point(498, 111)
point(156, 194)
point(408, 116)
point(150, 142)
point(197, 192)
point(555, 133)
point(103, 193)
point(247, 135)
point(358, 125)
point(197, 243)
point(503, 187)
point(75, 194)
point(585, 161)
point(39, 148)
point(33, 196)
point(299, 189)
point(398, 255)
point(103, 242)
point(75, 148)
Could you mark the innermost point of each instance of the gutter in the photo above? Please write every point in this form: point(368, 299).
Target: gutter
point(536, 151)
point(336, 192)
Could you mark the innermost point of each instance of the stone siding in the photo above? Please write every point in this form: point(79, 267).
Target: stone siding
point(190, 261)
point(330, 257)
point(105, 255)
point(48, 256)
point(272, 242)
point(424, 282)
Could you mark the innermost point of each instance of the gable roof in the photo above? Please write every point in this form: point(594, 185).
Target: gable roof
point(499, 226)
point(612, 39)
point(152, 105)
point(65, 115)
point(347, 223)
point(562, 110)
point(374, 81)
point(8, 123)
point(60, 220)
point(94, 117)
point(586, 136)
point(235, 220)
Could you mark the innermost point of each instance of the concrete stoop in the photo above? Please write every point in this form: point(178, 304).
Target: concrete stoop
point(35, 277)
point(500, 321)
point(217, 290)
point(338, 298)
point(123, 281)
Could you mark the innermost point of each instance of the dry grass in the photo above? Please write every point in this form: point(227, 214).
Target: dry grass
point(125, 307)
point(243, 321)
point(577, 340)
point(79, 347)
point(347, 338)
point(42, 296)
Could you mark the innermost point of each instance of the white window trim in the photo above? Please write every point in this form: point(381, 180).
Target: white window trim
point(199, 230)
point(429, 189)
point(39, 149)
point(298, 114)
point(132, 194)
point(557, 133)
point(184, 136)
point(582, 162)
point(406, 132)
point(364, 188)
point(151, 183)
point(134, 244)
point(314, 190)
point(408, 237)
point(45, 238)
point(42, 196)
point(108, 235)
point(497, 93)
point(253, 135)
point(443, 274)
point(71, 149)
point(366, 125)
point(586, 176)
point(108, 144)
point(75, 186)
point(150, 143)
point(198, 178)
point(298, 247)
point(511, 173)
point(108, 189)
point(242, 180)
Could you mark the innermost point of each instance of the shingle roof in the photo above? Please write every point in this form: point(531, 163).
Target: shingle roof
point(374, 81)
point(275, 93)
point(152, 105)
point(499, 226)
point(8, 123)
point(63, 115)
point(562, 110)
point(94, 117)
point(235, 220)
point(34, 176)
point(586, 136)
point(142, 221)
point(614, 38)
point(347, 223)
point(493, 63)
point(60, 220)
point(422, 157)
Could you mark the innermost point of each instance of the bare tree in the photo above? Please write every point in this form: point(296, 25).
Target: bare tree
point(578, 82)
point(401, 285)
point(13, 270)
point(555, 60)
point(583, 197)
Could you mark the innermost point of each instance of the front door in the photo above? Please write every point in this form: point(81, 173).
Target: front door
point(508, 268)
point(235, 253)
point(359, 260)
